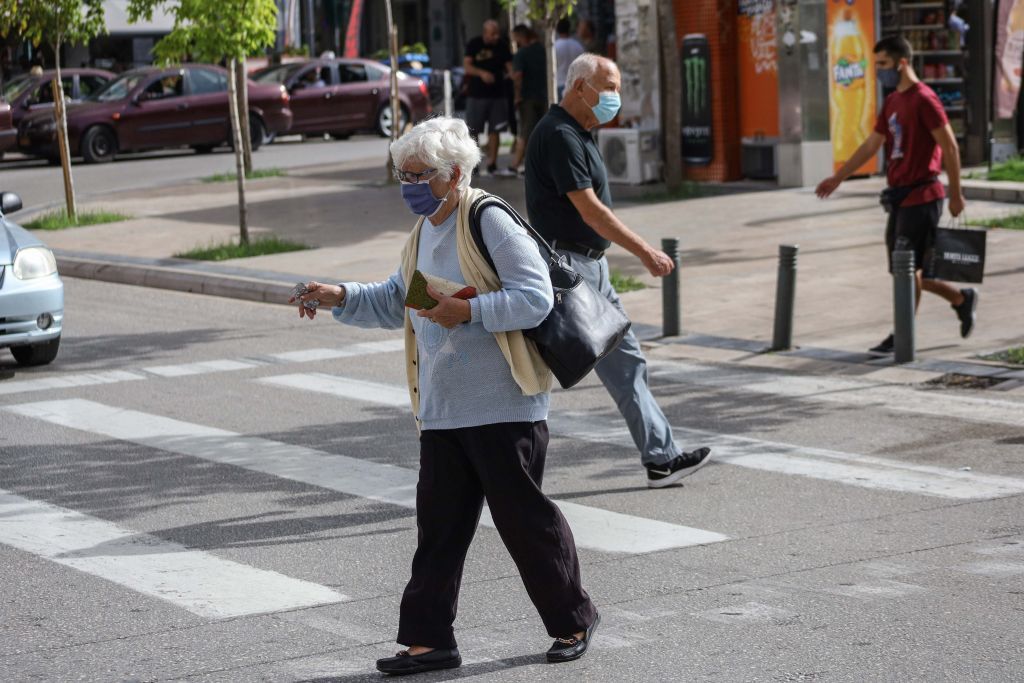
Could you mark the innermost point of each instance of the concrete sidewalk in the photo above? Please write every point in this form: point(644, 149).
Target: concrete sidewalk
point(728, 243)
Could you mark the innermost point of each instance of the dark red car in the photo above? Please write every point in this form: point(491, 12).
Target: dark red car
point(154, 108)
point(342, 96)
point(28, 93)
point(8, 137)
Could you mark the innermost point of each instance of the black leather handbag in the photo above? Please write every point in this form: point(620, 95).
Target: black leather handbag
point(583, 326)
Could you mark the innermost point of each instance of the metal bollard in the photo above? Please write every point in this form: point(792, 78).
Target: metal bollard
point(670, 290)
point(785, 298)
point(448, 103)
point(903, 305)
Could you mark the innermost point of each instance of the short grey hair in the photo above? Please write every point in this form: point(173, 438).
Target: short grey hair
point(442, 143)
point(585, 66)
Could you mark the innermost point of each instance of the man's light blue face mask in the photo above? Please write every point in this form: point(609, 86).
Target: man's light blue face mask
point(608, 103)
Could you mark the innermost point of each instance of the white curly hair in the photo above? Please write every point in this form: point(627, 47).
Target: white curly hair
point(442, 143)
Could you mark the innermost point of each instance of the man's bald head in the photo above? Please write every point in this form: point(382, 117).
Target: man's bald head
point(492, 32)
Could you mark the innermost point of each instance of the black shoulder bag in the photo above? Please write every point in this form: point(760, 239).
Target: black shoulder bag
point(582, 328)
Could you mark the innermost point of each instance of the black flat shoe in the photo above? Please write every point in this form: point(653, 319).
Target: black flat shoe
point(568, 649)
point(404, 663)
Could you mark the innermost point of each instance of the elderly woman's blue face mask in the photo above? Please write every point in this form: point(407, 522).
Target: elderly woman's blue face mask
point(417, 193)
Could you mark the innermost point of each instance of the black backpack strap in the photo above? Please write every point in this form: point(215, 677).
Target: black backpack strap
point(476, 209)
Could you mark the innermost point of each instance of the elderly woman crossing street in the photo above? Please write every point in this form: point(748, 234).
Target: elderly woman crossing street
point(480, 395)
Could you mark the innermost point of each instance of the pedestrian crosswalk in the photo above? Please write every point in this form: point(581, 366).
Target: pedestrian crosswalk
point(213, 587)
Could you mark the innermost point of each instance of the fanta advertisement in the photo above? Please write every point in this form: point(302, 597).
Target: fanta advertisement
point(847, 71)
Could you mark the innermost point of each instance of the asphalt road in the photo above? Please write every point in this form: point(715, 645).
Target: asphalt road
point(207, 489)
point(41, 185)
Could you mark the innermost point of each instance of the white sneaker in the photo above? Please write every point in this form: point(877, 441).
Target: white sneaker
point(505, 173)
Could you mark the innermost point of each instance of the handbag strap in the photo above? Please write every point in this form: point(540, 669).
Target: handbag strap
point(481, 203)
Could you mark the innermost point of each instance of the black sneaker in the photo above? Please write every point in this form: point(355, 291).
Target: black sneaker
point(887, 346)
point(404, 663)
point(492, 169)
point(568, 649)
point(967, 311)
point(660, 476)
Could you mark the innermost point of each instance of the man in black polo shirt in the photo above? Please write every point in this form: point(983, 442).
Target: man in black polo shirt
point(568, 202)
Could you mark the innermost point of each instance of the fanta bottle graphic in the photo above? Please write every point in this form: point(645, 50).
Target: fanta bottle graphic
point(848, 59)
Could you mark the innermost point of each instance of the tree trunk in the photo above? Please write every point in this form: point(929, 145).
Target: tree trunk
point(549, 36)
point(672, 94)
point(62, 137)
point(396, 110)
point(236, 137)
point(243, 114)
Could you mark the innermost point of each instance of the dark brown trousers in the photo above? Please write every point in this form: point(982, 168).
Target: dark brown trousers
point(504, 464)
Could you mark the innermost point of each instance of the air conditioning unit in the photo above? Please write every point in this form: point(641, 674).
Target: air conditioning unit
point(631, 155)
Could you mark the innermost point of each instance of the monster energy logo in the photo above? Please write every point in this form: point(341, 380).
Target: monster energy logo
point(846, 72)
point(696, 84)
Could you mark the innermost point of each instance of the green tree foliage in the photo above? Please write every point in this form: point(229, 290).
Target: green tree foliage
point(56, 22)
point(211, 30)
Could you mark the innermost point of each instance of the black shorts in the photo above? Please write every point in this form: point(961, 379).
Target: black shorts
point(912, 228)
point(486, 112)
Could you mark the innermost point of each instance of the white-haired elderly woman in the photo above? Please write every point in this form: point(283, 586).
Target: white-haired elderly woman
point(480, 396)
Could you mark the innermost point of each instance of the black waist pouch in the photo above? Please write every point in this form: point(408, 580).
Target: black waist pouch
point(892, 197)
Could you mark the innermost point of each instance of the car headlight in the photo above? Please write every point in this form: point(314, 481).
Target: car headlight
point(34, 262)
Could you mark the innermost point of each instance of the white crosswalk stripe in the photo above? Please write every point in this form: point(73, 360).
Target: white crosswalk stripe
point(195, 580)
point(846, 468)
point(593, 528)
point(38, 384)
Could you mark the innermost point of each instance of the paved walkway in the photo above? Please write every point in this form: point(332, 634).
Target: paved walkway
point(728, 244)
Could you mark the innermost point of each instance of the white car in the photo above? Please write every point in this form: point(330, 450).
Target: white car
point(31, 292)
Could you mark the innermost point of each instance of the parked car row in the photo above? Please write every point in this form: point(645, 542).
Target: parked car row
point(187, 106)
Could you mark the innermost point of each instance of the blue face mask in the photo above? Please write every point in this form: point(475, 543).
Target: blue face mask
point(607, 106)
point(421, 200)
point(889, 78)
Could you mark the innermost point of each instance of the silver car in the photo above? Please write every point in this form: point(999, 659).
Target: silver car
point(31, 292)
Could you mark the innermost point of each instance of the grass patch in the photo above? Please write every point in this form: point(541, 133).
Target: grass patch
point(256, 174)
point(1015, 221)
point(1013, 355)
point(625, 283)
point(230, 250)
point(688, 190)
point(1011, 169)
point(59, 220)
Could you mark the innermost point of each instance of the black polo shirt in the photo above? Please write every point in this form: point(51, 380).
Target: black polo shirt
point(561, 157)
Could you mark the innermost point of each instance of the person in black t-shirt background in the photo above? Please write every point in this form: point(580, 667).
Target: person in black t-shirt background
point(488, 62)
point(569, 204)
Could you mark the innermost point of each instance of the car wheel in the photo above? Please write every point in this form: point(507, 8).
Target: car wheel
point(384, 120)
point(340, 136)
point(203, 149)
point(98, 145)
point(256, 132)
point(36, 354)
point(269, 137)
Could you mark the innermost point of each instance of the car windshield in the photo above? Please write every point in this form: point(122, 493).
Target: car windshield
point(276, 74)
point(119, 88)
point(16, 86)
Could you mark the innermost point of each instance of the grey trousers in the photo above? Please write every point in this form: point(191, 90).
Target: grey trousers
point(624, 374)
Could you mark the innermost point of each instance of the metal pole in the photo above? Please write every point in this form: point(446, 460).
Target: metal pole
point(785, 298)
point(448, 103)
point(903, 305)
point(670, 290)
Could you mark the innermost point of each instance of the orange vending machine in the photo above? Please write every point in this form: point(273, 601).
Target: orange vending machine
point(852, 95)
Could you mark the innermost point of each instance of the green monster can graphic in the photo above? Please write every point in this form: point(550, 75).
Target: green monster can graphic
point(696, 57)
